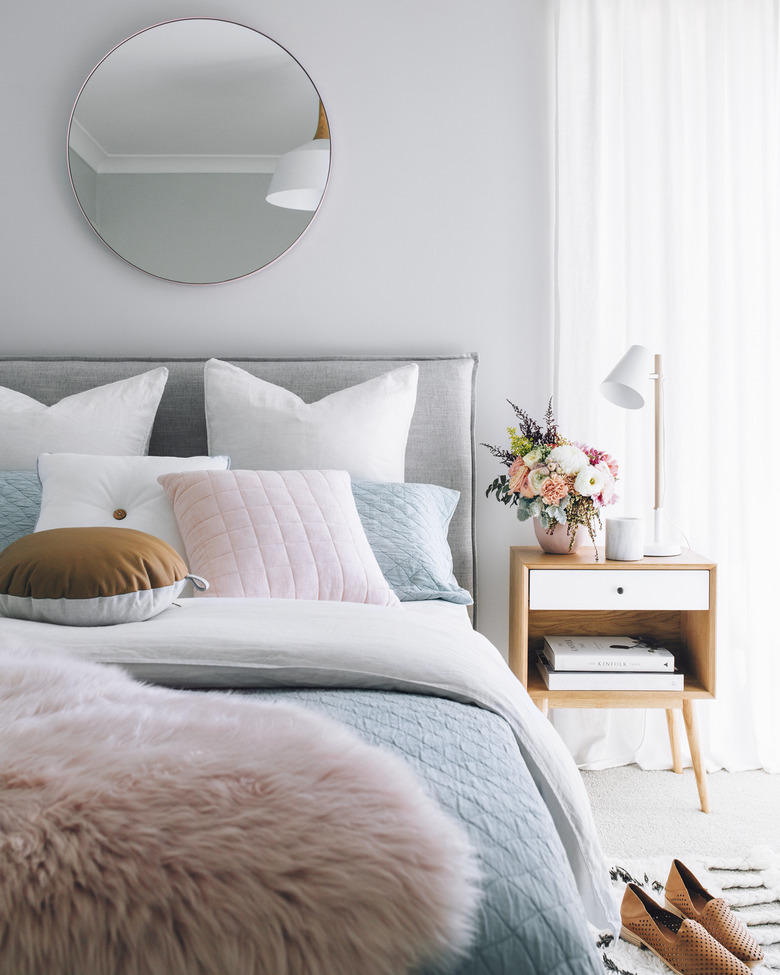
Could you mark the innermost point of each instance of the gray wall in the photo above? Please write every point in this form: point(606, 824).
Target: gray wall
point(435, 233)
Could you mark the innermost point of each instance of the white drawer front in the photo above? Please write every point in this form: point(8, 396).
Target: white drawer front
point(619, 589)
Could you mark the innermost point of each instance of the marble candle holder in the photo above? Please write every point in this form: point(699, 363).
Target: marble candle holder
point(624, 539)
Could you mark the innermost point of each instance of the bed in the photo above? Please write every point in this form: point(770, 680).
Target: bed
point(416, 679)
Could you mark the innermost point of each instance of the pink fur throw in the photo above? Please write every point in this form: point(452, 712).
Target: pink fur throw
point(146, 831)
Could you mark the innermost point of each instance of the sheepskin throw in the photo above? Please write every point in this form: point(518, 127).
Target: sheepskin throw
point(147, 831)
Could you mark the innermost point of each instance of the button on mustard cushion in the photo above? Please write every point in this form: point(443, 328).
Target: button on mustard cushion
point(89, 576)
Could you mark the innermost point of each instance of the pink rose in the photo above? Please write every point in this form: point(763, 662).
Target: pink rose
point(519, 484)
point(525, 487)
point(607, 495)
point(517, 466)
point(611, 464)
point(554, 489)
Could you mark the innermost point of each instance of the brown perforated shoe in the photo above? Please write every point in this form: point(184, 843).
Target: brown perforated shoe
point(686, 897)
point(680, 943)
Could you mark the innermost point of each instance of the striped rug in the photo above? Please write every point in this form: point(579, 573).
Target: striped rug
point(751, 885)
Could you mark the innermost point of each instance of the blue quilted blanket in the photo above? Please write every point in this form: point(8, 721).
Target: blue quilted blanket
point(435, 660)
point(531, 919)
point(20, 502)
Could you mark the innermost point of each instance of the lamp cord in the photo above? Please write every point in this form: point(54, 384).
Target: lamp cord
point(663, 468)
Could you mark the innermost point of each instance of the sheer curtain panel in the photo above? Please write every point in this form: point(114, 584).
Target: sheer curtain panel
point(668, 235)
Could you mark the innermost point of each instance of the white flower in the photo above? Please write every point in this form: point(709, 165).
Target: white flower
point(589, 481)
point(533, 456)
point(537, 478)
point(570, 459)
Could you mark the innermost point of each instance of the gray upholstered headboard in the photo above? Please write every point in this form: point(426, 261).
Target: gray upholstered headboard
point(441, 439)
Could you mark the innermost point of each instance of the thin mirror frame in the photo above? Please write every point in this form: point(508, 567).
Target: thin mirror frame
point(89, 77)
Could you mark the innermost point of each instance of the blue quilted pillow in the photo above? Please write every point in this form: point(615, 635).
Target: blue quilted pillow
point(406, 526)
point(20, 502)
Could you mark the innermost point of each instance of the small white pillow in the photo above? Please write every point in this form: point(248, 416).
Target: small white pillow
point(112, 419)
point(82, 490)
point(261, 426)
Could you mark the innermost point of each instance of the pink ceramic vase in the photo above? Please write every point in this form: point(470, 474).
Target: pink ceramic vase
point(558, 542)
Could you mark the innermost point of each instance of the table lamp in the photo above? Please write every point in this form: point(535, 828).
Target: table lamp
point(626, 386)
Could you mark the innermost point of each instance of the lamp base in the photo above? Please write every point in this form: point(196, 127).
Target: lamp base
point(662, 549)
point(658, 547)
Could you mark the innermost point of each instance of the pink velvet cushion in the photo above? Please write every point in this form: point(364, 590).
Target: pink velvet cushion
point(283, 534)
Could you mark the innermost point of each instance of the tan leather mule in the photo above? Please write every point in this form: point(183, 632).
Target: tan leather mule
point(686, 897)
point(680, 943)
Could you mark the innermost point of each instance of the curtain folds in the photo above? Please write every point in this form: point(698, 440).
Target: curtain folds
point(668, 235)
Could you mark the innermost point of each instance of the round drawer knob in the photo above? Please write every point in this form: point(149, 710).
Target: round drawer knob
point(620, 590)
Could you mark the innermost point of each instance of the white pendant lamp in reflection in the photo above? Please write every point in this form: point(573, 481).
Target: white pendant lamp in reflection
point(626, 386)
point(300, 175)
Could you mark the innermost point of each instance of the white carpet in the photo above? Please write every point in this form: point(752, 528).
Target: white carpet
point(640, 813)
point(751, 885)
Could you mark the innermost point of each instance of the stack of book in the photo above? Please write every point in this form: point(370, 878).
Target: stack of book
point(606, 663)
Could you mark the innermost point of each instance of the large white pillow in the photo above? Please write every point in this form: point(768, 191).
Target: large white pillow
point(86, 491)
point(261, 426)
point(112, 419)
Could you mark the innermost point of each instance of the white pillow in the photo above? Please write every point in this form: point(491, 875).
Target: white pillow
point(261, 426)
point(112, 419)
point(85, 491)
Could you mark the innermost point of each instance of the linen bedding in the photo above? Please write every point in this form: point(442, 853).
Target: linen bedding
point(419, 679)
point(415, 678)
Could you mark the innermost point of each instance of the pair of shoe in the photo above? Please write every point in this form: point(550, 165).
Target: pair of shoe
point(697, 934)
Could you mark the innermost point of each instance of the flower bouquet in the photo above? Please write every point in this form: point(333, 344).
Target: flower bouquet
point(553, 479)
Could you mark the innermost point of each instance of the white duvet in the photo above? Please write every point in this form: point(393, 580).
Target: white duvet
point(274, 642)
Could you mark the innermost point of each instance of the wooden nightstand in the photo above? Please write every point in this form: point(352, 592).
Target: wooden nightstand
point(670, 599)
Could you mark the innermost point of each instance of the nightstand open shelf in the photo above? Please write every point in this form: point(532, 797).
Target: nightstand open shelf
point(670, 599)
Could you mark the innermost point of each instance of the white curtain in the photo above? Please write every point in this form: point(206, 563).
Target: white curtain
point(668, 235)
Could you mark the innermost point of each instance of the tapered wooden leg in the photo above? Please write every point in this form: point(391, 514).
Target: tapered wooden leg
point(674, 740)
point(542, 704)
point(693, 742)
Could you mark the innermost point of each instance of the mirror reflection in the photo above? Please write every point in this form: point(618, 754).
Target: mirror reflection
point(173, 143)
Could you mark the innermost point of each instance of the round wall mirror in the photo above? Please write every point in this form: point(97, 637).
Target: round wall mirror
point(198, 150)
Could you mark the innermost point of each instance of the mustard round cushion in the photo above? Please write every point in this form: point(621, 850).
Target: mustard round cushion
point(90, 576)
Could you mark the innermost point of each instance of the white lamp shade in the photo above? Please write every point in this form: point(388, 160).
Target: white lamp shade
point(300, 176)
point(626, 385)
